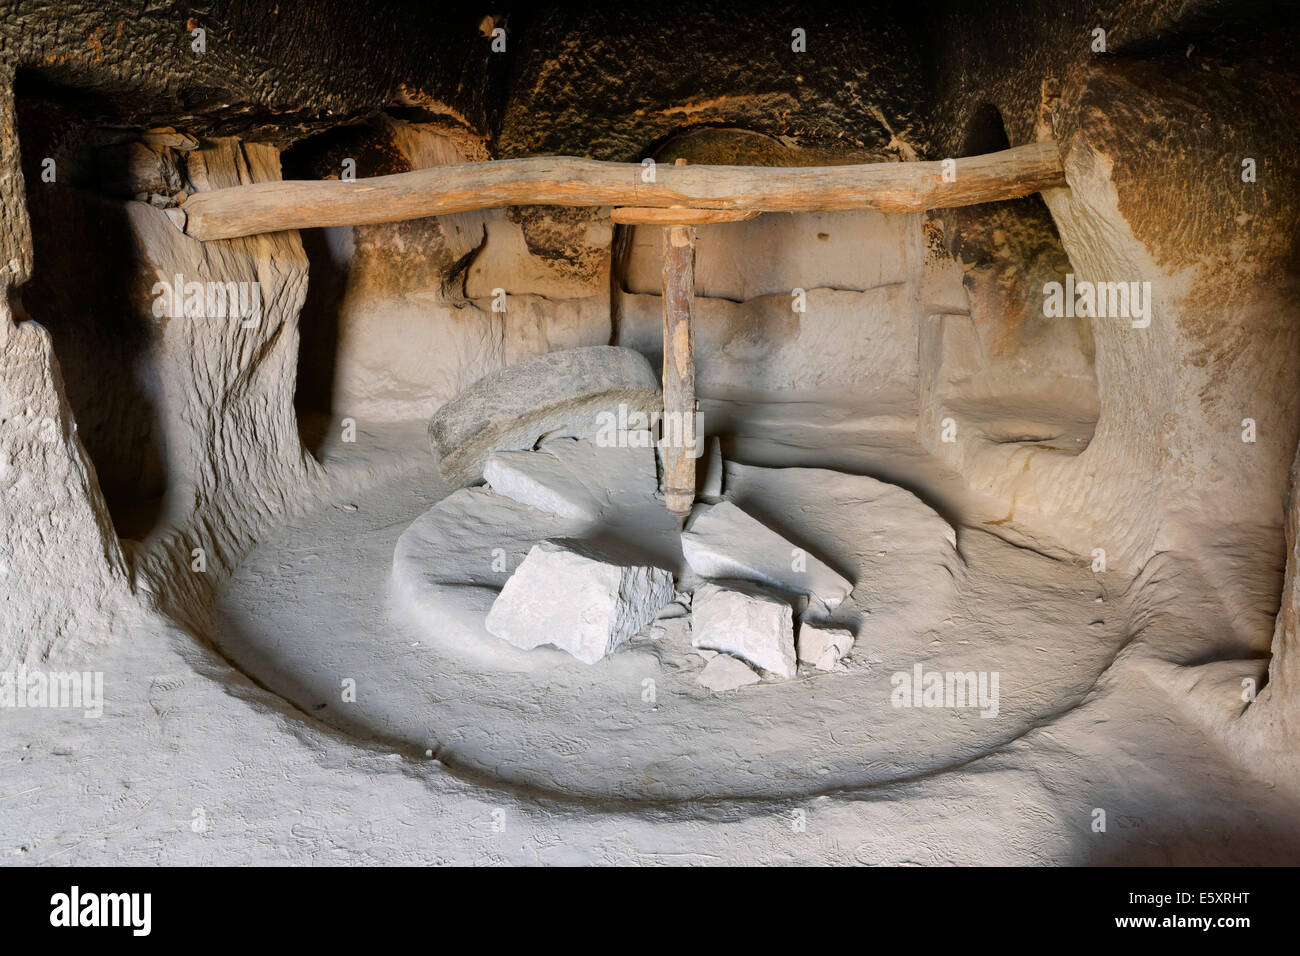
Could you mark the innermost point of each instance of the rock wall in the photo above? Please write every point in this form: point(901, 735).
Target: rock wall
point(127, 441)
point(616, 83)
point(234, 459)
point(222, 442)
point(402, 316)
point(815, 301)
point(1268, 731)
point(190, 416)
point(838, 310)
point(1153, 135)
point(1198, 415)
point(65, 577)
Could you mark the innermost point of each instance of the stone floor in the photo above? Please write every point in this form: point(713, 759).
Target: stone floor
point(481, 754)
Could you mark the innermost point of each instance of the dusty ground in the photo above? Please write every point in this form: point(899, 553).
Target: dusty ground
point(493, 757)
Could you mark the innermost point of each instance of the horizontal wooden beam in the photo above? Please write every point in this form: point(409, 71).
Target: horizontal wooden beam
point(651, 216)
point(566, 181)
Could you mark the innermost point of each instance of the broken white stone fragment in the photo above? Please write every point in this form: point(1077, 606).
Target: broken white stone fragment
point(677, 629)
point(585, 602)
point(725, 673)
point(755, 627)
point(571, 478)
point(724, 542)
point(824, 647)
point(672, 610)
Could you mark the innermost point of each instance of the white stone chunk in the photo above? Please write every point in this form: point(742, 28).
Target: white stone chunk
point(725, 673)
point(824, 647)
point(725, 542)
point(711, 485)
point(673, 610)
point(580, 600)
point(677, 630)
point(755, 627)
point(571, 478)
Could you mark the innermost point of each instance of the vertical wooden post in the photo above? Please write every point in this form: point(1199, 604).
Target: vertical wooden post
point(679, 368)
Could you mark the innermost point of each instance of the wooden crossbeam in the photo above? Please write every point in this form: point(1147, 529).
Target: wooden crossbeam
point(650, 216)
point(566, 181)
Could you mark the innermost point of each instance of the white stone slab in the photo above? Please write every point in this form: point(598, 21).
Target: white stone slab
point(724, 542)
point(572, 478)
point(586, 603)
point(755, 627)
point(711, 483)
point(824, 647)
point(725, 673)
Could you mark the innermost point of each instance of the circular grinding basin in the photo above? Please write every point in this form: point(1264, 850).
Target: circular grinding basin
point(311, 610)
